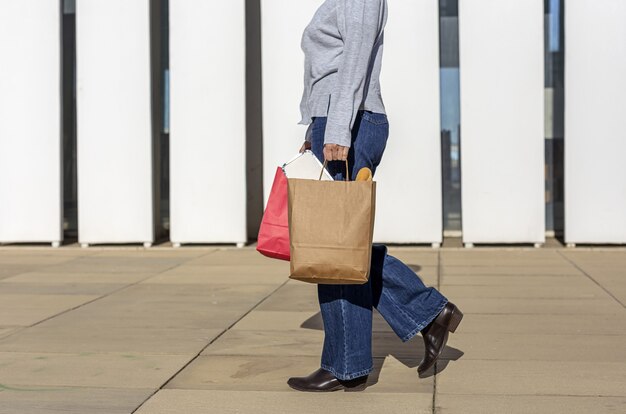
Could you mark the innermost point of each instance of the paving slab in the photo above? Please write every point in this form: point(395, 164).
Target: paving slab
point(113, 265)
point(71, 400)
point(584, 378)
point(611, 279)
point(245, 372)
point(270, 373)
point(600, 274)
point(306, 342)
point(550, 281)
point(7, 270)
point(224, 293)
point(19, 256)
point(293, 296)
point(96, 289)
point(529, 291)
point(86, 369)
point(284, 320)
point(566, 306)
point(169, 401)
point(546, 323)
point(280, 320)
point(504, 270)
point(514, 404)
point(223, 274)
point(180, 255)
point(513, 257)
point(27, 309)
point(533, 347)
point(8, 330)
point(178, 306)
point(617, 288)
point(230, 257)
point(112, 339)
point(606, 258)
point(128, 316)
point(302, 342)
point(37, 277)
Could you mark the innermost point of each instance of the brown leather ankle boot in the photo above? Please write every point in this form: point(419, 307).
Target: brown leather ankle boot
point(435, 335)
point(323, 381)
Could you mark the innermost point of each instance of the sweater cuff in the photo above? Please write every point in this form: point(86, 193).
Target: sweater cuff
point(334, 135)
point(309, 132)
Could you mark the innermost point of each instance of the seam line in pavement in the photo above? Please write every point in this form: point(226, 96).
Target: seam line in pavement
point(209, 344)
point(524, 395)
point(591, 278)
point(434, 401)
point(439, 270)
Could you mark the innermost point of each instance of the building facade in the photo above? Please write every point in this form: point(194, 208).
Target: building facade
point(135, 121)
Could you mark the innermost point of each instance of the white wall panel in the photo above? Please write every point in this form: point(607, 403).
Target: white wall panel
point(502, 120)
point(409, 200)
point(595, 121)
point(114, 121)
point(409, 191)
point(208, 121)
point(30, 129)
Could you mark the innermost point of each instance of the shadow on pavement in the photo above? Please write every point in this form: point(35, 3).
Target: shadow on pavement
point(386, 343)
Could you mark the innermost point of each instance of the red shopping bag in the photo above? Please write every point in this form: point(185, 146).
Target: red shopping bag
point(273, 240)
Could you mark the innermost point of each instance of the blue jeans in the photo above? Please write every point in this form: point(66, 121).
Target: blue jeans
point(393, 288)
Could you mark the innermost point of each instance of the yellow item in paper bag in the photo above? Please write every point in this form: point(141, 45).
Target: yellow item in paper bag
point(365, 174)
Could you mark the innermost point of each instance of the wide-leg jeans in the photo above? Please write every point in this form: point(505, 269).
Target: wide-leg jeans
point(393, 288)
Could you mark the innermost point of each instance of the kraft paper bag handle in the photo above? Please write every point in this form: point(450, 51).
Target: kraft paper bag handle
point(347, 170)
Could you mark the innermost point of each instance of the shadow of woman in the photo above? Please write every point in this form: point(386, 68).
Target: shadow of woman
point(386, 343)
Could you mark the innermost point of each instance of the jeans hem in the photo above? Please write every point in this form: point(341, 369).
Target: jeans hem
point(425, 322)
point(347, 377)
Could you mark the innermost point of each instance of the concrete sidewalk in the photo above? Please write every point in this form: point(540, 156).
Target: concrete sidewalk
point(219, 330)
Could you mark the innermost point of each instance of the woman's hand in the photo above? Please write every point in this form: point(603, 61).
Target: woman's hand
point(305, 146)
point(334, 152)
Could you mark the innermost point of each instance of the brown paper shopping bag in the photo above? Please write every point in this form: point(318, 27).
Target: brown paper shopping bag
point(331, 224)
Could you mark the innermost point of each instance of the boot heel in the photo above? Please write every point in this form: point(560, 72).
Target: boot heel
point(356, 388)
point(455, 319)
point(355, 385)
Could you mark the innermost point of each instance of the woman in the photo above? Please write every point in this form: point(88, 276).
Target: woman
point(343, 107)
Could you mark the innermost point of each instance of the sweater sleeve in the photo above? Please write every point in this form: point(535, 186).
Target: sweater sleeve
point(359, 22)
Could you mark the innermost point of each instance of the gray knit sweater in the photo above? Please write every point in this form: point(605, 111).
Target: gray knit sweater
point(343, 48)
